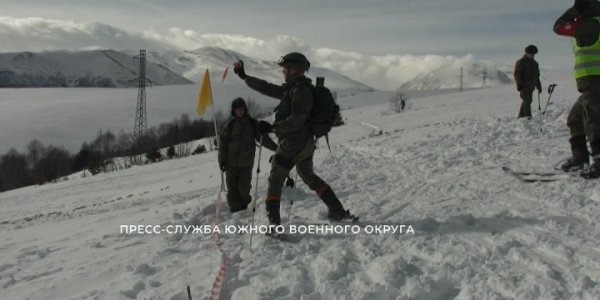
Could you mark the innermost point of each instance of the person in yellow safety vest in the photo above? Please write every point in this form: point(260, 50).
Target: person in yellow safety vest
point(582, 23)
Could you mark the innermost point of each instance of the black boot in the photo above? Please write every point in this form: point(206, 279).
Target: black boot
point(335, 207)
point(273, 212)
point(594, 170)
point(581, 156)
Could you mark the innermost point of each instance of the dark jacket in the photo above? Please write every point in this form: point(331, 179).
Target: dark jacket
point(292, 113)
point(237, 142)
point(527, 74)
point(585, 32)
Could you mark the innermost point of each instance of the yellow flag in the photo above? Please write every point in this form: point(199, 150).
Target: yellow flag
point(205, 95)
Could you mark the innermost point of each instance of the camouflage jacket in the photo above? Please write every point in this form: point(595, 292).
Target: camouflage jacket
point(237, 142)
point(527, 74)
point(292, 113)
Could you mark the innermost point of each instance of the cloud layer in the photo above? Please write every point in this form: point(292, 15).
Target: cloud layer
point(384, 72)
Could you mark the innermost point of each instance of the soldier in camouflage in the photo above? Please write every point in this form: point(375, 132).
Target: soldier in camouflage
point(296, 142)
point(527, 78)
point(236, 154)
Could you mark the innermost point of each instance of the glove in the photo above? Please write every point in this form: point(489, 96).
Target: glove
point(276, 128)
point(223, 166)
point(539, 88)
point(264, 127)
point(519, 88)
point(238, 68)
point(289, 182)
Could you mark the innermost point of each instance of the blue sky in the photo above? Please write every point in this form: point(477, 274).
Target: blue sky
point(490, 30)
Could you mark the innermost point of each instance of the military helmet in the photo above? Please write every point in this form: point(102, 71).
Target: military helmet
point(531, 49)
point(294, 60)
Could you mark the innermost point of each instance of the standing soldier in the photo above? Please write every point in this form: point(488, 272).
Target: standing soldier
point(582, 22)
point(236, 153)
point(527, 77)
point(296, 142)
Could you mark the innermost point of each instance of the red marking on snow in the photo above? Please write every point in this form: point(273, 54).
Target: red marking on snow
point(215, 292)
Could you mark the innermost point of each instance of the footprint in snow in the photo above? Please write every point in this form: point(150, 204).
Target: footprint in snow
point(145, 269)
point(136, 289)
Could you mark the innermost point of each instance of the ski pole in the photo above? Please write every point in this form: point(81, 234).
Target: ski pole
point(550, 91)
point(289, 182)
point(256, 187)
point(291, 186)
point(540, 110)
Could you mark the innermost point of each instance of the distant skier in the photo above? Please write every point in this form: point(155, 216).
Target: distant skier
point(236, 153)
point(527, 78)
point(582, 22)
point(402, 105)
point(296, 142)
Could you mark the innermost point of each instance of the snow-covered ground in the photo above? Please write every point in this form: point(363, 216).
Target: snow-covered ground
point(479, 233)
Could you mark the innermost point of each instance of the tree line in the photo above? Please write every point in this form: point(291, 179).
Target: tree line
point(45, 163)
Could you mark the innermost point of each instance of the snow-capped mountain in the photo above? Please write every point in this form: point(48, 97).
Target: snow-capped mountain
point(110, 68)
point(192, 65)
point(447, 75)
point(96, 68)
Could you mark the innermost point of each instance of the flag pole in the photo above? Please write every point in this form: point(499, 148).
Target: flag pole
point(216, 129)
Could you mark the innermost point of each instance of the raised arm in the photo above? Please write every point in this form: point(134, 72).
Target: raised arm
point(264, 87)
point(257, 84)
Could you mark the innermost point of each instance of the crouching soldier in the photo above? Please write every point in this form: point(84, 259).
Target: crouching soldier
point(236, 153)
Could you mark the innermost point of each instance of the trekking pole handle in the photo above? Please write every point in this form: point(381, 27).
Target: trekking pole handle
point(551, 88)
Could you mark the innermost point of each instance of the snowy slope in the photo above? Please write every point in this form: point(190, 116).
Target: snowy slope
point(97, 68)
point(480, 234)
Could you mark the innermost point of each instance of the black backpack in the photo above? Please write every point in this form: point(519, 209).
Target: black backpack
point(324, 111)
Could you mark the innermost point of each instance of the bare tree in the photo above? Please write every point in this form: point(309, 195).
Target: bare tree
point(124, 143)
point(54, 164)
point(14, 172)
point(35, 151)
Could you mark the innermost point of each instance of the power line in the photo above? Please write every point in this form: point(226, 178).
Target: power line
point(140, 129)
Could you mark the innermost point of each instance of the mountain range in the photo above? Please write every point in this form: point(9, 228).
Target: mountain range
point(111, 68)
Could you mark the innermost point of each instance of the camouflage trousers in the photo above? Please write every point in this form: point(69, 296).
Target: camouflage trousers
point(527, 99)
point(290, 154)
point(238, 182)
point(584, 117)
